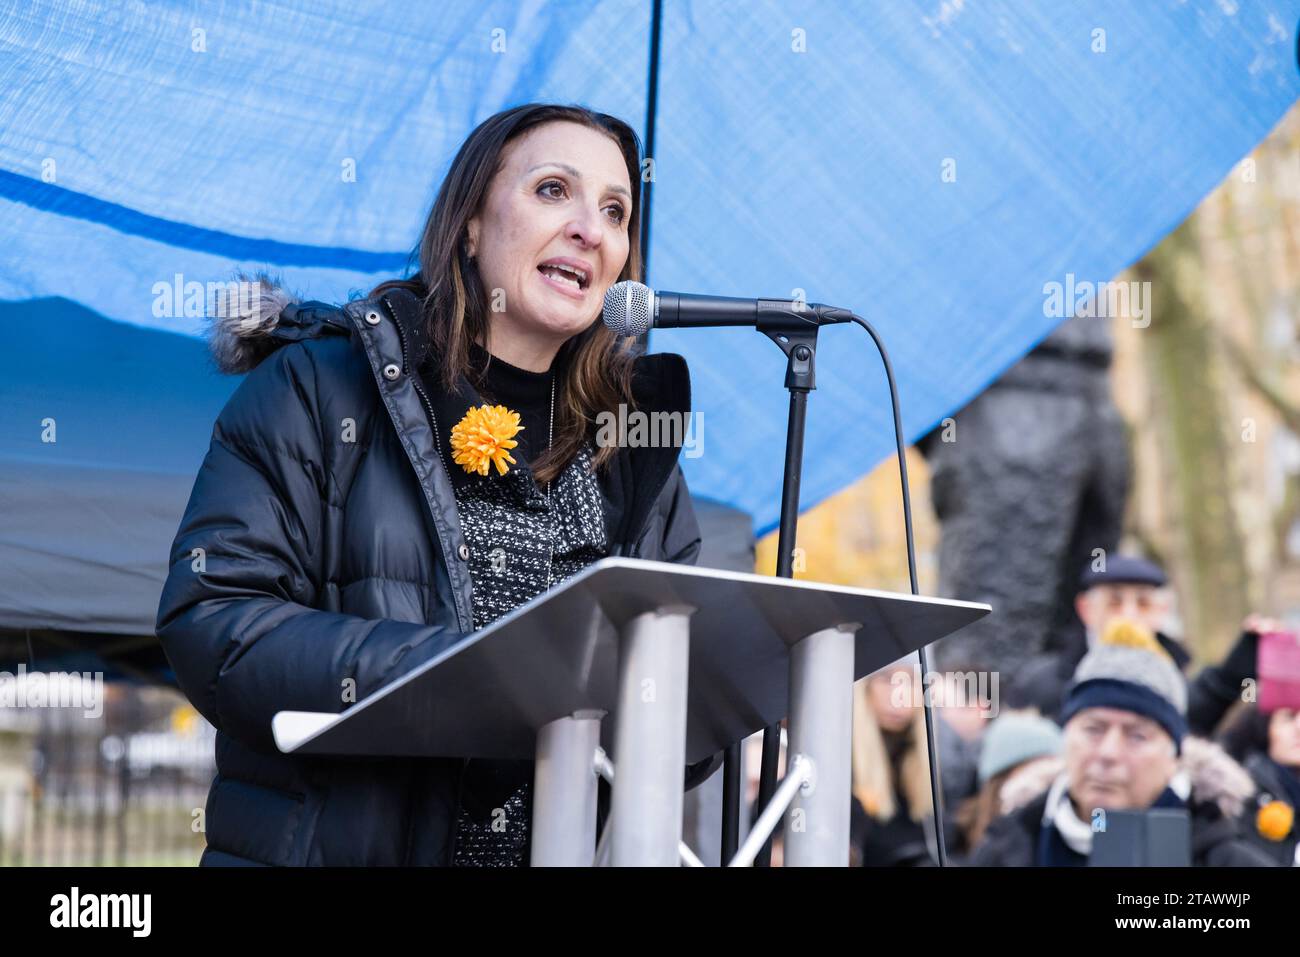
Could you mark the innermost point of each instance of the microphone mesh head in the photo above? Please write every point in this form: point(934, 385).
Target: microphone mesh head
point(628, 308)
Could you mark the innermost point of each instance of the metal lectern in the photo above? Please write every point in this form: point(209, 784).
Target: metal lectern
point(685, 661)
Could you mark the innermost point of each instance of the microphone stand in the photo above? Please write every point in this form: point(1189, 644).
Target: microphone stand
point(794, 330)
point(795, 333)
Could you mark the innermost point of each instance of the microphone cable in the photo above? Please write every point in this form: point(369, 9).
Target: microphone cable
point(932, 749)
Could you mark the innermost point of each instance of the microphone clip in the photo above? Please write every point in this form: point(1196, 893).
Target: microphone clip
point(795, 334)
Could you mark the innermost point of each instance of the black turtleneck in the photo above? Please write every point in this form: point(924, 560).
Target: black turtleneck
point(528, 393)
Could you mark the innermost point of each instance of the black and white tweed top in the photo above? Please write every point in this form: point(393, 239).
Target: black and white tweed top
point(513, 535)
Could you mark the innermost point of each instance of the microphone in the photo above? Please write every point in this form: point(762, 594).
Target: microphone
point(631, 308)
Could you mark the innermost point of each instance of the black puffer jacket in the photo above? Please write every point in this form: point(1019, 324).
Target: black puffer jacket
point(321, 547)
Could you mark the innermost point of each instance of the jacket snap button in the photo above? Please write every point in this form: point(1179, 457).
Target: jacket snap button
point(373, 317)
point(463, 552)
point(391, 371)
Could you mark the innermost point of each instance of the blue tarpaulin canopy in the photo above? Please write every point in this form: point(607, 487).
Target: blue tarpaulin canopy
point(930, 165)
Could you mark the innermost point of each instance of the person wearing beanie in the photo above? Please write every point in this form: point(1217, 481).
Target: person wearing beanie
point(1126, 748)
point(1013, 741)
point(1130, 671)
point(1123, 587)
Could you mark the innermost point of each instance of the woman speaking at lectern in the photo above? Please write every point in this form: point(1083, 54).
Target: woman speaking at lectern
point(397, 472)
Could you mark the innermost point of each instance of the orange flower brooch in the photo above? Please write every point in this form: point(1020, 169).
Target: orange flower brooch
point(484, 438)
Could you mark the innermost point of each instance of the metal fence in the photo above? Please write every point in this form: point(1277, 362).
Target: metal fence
point(125, 787)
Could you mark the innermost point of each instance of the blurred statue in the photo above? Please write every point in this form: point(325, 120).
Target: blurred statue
point(1027, 481)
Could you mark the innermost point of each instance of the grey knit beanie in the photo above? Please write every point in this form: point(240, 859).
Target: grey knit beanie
point(1129, 670)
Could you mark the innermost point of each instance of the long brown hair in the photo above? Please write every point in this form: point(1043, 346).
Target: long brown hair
point(594, 367)
point(874, 778)
point(977, 812)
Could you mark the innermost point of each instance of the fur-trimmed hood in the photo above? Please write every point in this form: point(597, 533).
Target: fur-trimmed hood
point(255, 315)
point(1215, 778)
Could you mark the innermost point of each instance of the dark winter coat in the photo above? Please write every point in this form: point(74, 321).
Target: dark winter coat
point(1220, 790)
point(321, 547)
point(1274, 783)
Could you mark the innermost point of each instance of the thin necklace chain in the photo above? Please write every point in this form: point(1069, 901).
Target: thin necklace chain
point(550, 438)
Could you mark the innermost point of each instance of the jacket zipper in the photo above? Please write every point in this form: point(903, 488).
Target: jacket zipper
point(419, 390)
point(428, 408)
point(415, 380)
point(433, 421)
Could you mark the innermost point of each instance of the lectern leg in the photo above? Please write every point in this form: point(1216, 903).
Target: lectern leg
point(650, 738)
point(821, 729)
point(564, 792)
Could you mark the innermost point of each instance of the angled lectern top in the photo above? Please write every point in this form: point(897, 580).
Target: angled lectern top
point(558, 655)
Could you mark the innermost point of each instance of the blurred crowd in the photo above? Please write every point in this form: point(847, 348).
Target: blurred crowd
point(1117, 751)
